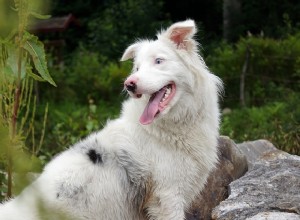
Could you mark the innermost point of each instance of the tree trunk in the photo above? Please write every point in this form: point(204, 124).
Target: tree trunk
point(231, 17)
point(242, 78)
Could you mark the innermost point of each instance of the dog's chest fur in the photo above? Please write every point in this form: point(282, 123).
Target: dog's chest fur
point(173, 159)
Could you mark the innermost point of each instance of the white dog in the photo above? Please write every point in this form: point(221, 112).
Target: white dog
point(152, 161)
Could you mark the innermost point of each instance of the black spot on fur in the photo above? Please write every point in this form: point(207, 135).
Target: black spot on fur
point(94, 156)
point(57, 195)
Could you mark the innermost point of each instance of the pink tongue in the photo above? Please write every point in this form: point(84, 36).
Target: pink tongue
point(152, 108)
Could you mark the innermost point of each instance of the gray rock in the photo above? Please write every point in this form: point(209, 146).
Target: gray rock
point(269, 190)
point(253, 150)
point(274, 216)
point(232, 165)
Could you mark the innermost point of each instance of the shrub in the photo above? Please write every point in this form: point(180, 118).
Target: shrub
point(87, 75)
point(123, 21)
point(278, 122)
point(272, 68)
point(68, 122)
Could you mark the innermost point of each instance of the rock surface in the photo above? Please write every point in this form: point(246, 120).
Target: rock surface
point(232, 165)
point(270, 190)
point(253, 150)
point(274, 216)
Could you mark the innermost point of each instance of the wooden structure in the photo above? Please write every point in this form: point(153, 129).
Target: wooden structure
point(51, 32)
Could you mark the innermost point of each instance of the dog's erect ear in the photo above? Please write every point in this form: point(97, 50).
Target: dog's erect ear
point(181, 33)
point(129, 52)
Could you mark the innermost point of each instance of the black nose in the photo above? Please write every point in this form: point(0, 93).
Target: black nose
point(131, 87)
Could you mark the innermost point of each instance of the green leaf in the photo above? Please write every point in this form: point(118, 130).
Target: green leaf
point(39, 16)
point(36, 49)
point(35, 77)
point(12, 61)
point(8, 70)
point(14, 9)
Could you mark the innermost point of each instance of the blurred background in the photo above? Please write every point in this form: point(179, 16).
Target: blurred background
point(252, 45)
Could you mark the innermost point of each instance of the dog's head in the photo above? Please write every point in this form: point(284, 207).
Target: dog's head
point(162, 69)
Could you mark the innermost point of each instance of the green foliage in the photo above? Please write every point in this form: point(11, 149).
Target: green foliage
point(99, 77)
point(271, 89)
point(88, 75)
point(36, 50)
point(69, 122)
point(278, 122)
point(121, 22)
point(21, 56)
point(275, 19)
point(272, 69)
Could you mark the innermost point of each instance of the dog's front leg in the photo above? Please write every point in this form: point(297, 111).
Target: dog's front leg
point(139, 176)
point(166, 206)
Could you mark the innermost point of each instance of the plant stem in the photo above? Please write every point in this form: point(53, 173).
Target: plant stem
point(14, 124)
point(16, 101)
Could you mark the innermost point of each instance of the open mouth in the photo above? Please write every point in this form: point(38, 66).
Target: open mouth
point(157, 103)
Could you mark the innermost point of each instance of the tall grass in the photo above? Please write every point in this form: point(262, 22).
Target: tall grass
point(22, 61)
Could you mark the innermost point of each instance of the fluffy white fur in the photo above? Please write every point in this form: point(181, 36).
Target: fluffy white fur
point(131, 171)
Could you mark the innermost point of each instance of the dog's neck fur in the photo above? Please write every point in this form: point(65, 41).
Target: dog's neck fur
point(176, 130)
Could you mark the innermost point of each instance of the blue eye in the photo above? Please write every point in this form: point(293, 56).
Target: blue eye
point(158, 60)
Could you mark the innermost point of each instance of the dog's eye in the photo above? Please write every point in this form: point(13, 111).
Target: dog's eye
point(158, 60)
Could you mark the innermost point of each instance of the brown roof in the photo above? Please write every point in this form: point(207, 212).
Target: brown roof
point(55, 24)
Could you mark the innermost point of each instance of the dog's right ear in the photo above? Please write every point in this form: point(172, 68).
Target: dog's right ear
point(181, 33)
point(129, 52)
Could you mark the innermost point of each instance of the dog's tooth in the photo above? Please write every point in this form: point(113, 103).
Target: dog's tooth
point(167, 94)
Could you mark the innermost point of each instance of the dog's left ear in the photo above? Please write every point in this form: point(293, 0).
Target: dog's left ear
point(129, 52)
point(181, 33)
